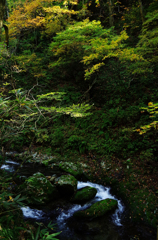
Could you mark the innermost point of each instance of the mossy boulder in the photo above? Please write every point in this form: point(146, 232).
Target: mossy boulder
point(67, 185)
point(39, 190)
point(78, 170)
point(72, 168)
point(84, 194)
point(98, 209)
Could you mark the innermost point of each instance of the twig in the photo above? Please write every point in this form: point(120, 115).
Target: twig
point(37, 106)
point(90, 87)
point(130, 82)
point(37, 85)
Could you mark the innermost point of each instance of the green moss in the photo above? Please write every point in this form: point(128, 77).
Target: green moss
point(67, 185)
point(97, 209)
point(68, 179)
point(71, 168)
point(39, 189)
point(84, 194)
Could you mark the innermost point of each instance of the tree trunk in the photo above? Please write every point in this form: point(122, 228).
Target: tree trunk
point(111, 19)
point(141, 10)
point(2, 15)
point(2, 12)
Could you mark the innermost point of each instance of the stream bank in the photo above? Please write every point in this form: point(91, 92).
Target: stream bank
point(127, 231)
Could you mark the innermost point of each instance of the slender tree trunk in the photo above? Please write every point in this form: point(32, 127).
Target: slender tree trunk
point(141, 10)
point(111, 19)
point(2, 11)
point(2, 15)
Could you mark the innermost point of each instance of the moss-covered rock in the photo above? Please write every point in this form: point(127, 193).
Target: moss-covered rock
point(78, 170)
point(40, 190)
point(85, 194)
point(72, 168)
point(67, 185)
point(98, 209)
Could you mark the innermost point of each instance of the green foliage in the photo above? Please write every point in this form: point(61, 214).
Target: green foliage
point(76, 110)
point(57, 137)
point(77, 143)
point(70, 95)
point(89, 43)
point(131, 19)
point(151, 109)
point(44, 233)
point(22, 115)
point(10, 213)
point(42, 135)
point(148, 43)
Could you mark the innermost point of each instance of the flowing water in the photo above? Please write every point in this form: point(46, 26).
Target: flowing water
point(88, 228)
point(102, 193)
point(9, 165)
point(110, 227)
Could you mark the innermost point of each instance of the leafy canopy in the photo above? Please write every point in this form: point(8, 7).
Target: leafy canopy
point(48, 16)
point(89, 43)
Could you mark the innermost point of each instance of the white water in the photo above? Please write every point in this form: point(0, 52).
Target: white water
point(8, 167)
point(12, 162)
point(102, 193)
point(32, 213)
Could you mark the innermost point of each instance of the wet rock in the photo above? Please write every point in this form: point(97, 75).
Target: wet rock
point(97, 209)
point(47, 161)
point(52, 178)
point(67, 185)
point(39, 189)
point(71, 168)
point(35, 157)
point(85, 194)
point(78, 170)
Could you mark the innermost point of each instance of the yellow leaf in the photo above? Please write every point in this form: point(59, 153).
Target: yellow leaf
point(11, 199)
point(150, 104)
point(138, 130)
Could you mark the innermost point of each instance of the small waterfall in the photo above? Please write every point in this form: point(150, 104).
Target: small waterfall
point(102, 193)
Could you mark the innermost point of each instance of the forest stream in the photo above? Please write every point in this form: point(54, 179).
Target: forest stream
point(114, 226)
